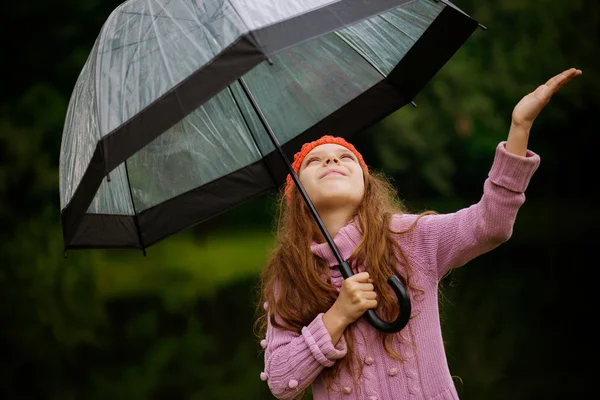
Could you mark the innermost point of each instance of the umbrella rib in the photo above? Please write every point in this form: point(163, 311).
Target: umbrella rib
point(135, 214)
point(147, 39)
point(160, 46)
point(147, 29)
point(393, 25)
point(447, 3)
point(360, 53)
point(250, 130)
point(364, 57)
point(167, 41)
point(157, 16)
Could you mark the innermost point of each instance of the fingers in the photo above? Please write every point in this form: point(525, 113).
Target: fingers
point(360, 288)
point(360, 282)
point(362, 277)
point(565, 77)
point(559, 80)
point(364, 303)
point(357, 295)
point(365, 294)
point(371, 304)
point(365, 287)
point(555, 79)
point(546, 91)
point(370, 295)
point(571, 76)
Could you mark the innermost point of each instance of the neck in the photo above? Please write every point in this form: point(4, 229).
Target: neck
point(335, 219)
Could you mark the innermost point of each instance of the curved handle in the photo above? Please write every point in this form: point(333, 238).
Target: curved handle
point(403, 302)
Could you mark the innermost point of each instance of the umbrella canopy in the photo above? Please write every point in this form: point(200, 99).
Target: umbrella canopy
point(185, 109)
point(169, 121)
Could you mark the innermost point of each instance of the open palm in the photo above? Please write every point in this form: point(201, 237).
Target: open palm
point(532, 104)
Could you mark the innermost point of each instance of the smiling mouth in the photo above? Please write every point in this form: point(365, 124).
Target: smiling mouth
point(334, 172)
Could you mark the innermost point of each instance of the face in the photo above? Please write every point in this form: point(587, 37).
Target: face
point(332, 176)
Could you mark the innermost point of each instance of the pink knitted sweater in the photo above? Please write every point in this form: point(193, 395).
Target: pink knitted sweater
point(439, 242)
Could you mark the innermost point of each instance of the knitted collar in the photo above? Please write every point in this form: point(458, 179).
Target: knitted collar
point(346, 241)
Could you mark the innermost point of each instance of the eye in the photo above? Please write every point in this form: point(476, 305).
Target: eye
point(347, 156)
point(311, 160)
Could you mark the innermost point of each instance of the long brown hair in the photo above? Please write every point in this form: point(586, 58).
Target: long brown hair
point(293, 272)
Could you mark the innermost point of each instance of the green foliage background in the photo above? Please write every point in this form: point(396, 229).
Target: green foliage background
point(179, 322)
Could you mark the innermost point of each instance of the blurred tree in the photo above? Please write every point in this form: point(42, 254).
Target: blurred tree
point(466, 109)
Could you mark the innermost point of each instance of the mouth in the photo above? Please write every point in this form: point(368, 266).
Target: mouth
point(333, 172)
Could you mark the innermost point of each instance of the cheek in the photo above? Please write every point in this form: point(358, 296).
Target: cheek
point(360, 187)
point(359, 177)
point(305, 181)
point(357, 186)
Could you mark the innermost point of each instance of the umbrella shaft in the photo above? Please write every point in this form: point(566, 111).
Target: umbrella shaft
point(291, 171)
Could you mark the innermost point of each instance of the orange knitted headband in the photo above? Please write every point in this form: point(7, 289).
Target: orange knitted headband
point(308, 147)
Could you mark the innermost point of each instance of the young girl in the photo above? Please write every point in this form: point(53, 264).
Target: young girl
point(312, 325)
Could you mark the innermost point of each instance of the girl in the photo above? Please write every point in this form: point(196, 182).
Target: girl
point(313, 333)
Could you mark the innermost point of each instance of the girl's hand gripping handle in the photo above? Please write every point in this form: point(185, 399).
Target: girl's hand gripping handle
point(403, 302)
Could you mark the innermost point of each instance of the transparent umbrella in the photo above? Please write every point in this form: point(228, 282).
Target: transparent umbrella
point(187, 108)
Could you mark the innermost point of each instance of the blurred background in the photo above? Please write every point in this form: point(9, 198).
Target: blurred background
point(178, 323)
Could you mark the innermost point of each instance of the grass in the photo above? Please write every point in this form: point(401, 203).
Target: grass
point(183, 268)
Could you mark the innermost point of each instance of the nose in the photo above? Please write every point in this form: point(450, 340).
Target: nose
point(331, 159)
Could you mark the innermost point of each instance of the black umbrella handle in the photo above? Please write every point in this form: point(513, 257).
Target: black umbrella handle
point(403, 302)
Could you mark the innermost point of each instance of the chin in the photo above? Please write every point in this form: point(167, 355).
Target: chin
point(337, 198)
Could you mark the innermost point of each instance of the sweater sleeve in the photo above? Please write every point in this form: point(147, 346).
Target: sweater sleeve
point(293, 360)
point(446, 241)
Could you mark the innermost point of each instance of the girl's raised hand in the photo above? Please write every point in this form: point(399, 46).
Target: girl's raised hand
point(526, 111)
